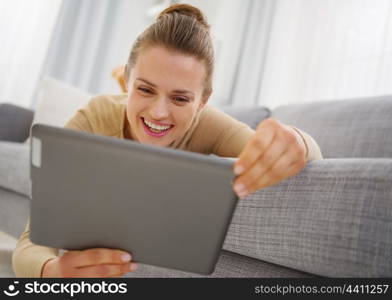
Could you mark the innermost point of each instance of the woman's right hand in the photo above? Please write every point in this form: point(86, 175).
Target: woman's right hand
point(95, 262)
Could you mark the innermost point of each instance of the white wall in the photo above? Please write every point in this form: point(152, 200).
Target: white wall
point(25, 31)
point(328, 49)
point(130, 21)
point(227, 29)
point(315, 50)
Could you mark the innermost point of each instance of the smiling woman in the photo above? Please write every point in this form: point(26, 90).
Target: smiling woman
point(169, 75)
point(169, 81)
point(163, 108)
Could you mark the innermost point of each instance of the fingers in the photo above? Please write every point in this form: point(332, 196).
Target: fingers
point(95, 262)
point(283, 168)
point(266, 161)
point(258, 144)
point(96, 256)
point(106, 270)
point(242, 184)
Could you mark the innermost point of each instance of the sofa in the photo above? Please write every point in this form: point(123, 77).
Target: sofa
point(333, 219)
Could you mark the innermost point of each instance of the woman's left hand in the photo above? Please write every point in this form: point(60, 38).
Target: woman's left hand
point(275, 152)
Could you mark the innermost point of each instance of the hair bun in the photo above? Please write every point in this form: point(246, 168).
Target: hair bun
point(187, 10)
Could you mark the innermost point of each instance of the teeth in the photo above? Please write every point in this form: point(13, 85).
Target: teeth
point(156, 127)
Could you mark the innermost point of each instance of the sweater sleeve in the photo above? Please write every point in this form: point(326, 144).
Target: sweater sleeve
point(219, 134)
point(103, 114)
point(28, 259)
point(82, 119)
point(227, 136)
point(313, 151)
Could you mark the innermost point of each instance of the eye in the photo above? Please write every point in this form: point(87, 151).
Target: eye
point(145, 90)
point(180, 99)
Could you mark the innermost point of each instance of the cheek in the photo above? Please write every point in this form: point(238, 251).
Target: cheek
point(130, 109)
point(131, 100)
point(134, 106)
point(184, 117)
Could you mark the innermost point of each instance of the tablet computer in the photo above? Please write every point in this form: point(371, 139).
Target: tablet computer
point(167, 207)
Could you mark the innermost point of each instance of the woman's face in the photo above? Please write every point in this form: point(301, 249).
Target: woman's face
point(164, 94)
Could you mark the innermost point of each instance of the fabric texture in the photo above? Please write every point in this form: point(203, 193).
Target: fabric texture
point(15, 122)
point(332, 219)
point(252, 116)
point(15, 167)
point(30, 264)
point(344, 128)
point(14, 212)
point(229, 265)
point(7, 245)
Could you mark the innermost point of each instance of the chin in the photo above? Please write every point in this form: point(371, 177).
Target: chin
point(155, 143)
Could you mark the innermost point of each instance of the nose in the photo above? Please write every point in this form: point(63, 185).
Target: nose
point(159, 109)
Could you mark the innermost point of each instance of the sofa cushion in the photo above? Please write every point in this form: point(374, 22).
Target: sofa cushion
point(15, 122)
point(345, 128)
point(332, 219)
point(251, 116)
point(15, 167)
point(228, 265)
point(14, 211)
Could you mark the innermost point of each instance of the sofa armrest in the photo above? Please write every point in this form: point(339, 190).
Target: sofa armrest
point(332, 219)
point(15, 167)
point(15, 122)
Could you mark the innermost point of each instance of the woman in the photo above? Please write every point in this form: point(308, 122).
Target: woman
point(169, 78)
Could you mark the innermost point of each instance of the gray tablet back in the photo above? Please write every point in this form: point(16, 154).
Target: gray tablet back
point(167, 207)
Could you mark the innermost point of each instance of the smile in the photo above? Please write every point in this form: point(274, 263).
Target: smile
point(155, 130)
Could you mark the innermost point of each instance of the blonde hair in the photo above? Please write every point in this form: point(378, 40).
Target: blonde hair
point(182, 28)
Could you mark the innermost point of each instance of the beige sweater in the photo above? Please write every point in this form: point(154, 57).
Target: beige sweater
point(212, 131)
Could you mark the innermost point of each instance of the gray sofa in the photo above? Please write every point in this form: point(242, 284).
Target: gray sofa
point(333, 219)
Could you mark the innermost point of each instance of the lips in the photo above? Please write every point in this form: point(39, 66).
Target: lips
point(156, 125)
point(152, 133)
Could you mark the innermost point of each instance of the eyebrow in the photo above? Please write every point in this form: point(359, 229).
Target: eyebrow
point(154, 85)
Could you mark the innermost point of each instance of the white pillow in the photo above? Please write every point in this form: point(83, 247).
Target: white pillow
point(58, 102)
